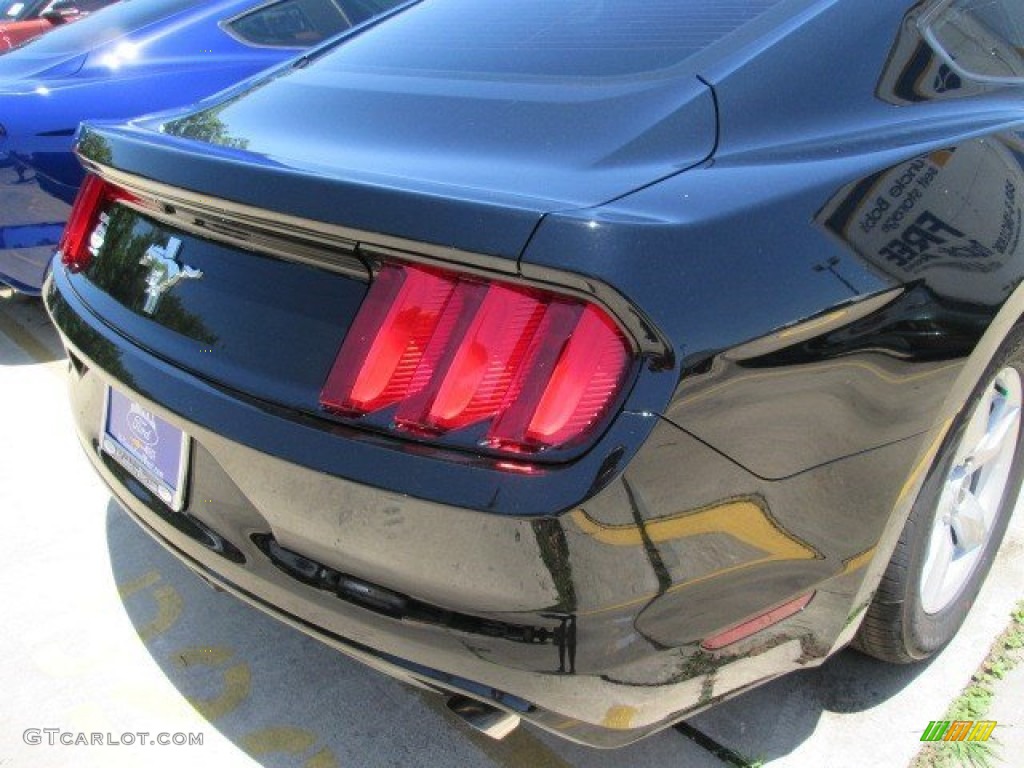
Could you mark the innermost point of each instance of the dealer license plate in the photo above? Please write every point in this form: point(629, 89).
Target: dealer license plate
point(154, 451)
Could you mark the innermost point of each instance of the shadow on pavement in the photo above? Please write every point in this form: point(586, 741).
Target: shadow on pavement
point(288, 700)
point(771, 721)
point(31, 339)
point(278, 695)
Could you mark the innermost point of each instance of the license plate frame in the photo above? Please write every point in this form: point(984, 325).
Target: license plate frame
point(151, 449)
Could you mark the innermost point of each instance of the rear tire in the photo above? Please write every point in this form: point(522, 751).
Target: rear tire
point(957, 523)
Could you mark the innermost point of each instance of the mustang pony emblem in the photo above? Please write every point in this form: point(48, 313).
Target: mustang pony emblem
point(164, 272)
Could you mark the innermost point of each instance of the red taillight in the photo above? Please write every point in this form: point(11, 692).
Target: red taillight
point(529, 369)
point(93, 197)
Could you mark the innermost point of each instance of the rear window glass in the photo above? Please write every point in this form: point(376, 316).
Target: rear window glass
point(366, 9)
point(589, 38)
point(106, 25)
point(19, 9)
point(85, 6)
point(291, 23)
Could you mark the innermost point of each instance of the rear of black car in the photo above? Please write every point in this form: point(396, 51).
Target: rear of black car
point(209, 343)
point(312, 363)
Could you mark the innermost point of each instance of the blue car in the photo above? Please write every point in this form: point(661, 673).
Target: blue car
point(135, 57)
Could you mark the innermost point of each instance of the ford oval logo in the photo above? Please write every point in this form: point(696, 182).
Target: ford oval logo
point(143, 425)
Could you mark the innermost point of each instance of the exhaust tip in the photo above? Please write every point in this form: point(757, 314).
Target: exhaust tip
point(490, 721)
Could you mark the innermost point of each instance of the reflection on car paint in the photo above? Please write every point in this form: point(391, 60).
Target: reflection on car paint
point(745, 522)
point(920, 219)
point(981, 39)
point(30, 235)
point(916, 73)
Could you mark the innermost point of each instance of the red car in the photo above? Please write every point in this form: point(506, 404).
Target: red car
point(23, 20)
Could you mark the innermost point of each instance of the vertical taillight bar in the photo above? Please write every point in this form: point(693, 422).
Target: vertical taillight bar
point(93, 197)
point(439, 352)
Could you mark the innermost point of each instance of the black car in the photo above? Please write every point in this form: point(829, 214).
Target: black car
point(587, 362)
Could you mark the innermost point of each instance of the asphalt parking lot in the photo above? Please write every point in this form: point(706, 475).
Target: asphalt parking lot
point(104, 632)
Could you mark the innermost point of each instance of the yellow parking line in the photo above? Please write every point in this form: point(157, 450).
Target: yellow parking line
point(145, 581)
point(237, 680)
point(169, 607)
point(290, 741)
point(322, 759)
point(266, 741)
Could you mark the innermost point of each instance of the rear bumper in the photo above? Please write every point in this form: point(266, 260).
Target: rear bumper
point(588, 623)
